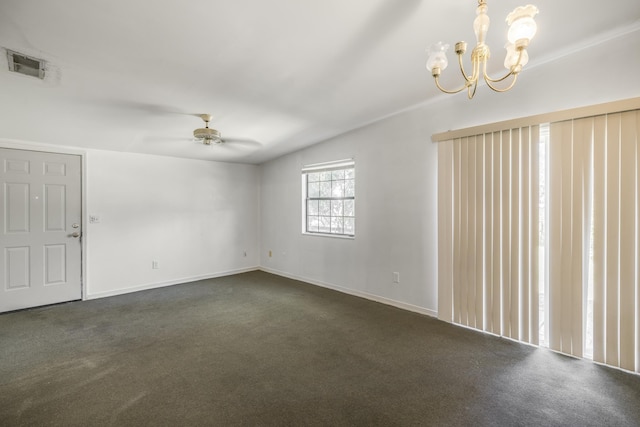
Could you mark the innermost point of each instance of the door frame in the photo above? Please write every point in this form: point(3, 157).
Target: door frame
point(50, 148)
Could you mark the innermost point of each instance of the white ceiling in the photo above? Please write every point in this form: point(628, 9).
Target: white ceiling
point(131, 75)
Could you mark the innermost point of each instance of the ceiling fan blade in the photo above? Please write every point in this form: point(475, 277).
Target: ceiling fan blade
point(159, 139)
point(242, 142)
point(134, 106)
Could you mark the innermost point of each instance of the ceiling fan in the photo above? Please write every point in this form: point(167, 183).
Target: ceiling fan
point(207, 135)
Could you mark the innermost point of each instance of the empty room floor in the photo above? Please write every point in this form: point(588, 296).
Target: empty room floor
point(259, 349)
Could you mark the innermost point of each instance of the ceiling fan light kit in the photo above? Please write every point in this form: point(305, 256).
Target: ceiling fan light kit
point(522, 28)
point(206, 134)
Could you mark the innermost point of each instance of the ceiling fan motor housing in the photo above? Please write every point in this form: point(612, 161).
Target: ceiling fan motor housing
point(207, 135)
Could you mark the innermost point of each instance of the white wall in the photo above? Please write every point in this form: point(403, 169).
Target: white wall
point(395, 216)
point(196, 218)
point(396, 222)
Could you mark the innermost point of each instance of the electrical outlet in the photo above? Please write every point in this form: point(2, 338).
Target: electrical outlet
point(155, 264)
point(396, 277)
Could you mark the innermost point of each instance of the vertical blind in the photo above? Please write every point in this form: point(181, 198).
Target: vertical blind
point(568, 232)
point(594, 180)
point(488, 194)
point(616, 239)
point(488, 232)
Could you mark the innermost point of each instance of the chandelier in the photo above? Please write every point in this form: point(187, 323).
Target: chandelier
point(522, 28)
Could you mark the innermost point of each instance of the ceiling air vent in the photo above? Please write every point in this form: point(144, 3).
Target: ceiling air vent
point(26, 65)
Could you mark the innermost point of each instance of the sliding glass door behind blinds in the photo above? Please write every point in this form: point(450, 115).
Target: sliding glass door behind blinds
point(594, 274)
point(488, 225)
point(488, 232)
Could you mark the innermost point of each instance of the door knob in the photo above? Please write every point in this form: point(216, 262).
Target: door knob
point(75, 234)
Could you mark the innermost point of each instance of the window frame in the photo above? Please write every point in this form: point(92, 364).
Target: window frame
point(342, 187)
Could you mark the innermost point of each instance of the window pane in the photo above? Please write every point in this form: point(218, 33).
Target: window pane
point(325, 176)
point(349, 188)
point(313, 177)
point(313, 189)
point(325, 207)
point(349, 226)
point(336, 208)
point(337, 225)
point(312, 223)
point(337, 189)
point(349, 208)
point(325, 224)
point(312, 207)
point(325, 189)
point(337, 174)
point(349, 173)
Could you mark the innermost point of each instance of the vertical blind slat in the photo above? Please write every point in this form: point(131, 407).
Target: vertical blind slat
point(456, 230)
point(514, 231)
point(480, 185)
point(525, 245)
point(445, 232)
point(567, 239)
point(637, 282)
point(586, 215)
point(581, 145)
point(555, 238)
point(535, 241)
point(469, 275)
point(471, 248)
point(599, 238)
point(464, 234)
point(628, 257)
point(488, 227)
point(612, 241)
point(505, 258)
point(497, 243)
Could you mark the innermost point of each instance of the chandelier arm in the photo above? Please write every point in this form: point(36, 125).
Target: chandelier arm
point(511, 71)
point(468, 79)
point(437, 80)
point(476, 68)
point(472, 93)
point(489, 79)
point(513, 82)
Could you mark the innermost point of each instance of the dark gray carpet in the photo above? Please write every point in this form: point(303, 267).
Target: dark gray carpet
point(258, 349)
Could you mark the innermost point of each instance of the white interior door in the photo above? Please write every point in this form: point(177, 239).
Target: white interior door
point(40, 217)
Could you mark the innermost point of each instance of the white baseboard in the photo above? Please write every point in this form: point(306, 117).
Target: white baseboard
point(360, 294)
point(168, 283)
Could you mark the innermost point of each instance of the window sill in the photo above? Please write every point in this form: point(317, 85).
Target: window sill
point(335, 236)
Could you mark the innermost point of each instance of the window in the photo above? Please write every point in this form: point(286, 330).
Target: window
point(329, 198)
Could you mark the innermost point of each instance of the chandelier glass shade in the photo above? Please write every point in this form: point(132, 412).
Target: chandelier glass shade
point(522, 28)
